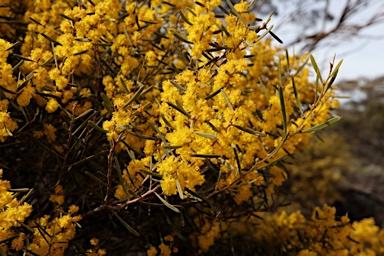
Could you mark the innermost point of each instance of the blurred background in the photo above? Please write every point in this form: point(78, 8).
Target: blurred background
point(345, 167)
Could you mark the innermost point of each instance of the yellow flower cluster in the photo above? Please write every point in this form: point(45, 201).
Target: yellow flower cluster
point(210, 231)
point(317, 172)
point(7, 125)
point(220, 113)
point(9, 12)
point(95, 251)
point(12, 213)
point(58, 197)
point(52, 235)
point(165, 250)
point(191, 103)
point(322, 234)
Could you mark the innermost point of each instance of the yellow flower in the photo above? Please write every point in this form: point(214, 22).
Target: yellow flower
point(25, 97)
point(168, 184)
point(94, 241)
point(50, 132)
point(52, 105)
point(58, 196)
point(152, 251)
point(73, 209)
point(165, 250)
point(18, 243)
point(168, 238)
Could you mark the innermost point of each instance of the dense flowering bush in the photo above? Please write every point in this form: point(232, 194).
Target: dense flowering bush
point(161, 123)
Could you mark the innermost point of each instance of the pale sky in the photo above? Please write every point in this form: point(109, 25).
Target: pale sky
point(363, 56)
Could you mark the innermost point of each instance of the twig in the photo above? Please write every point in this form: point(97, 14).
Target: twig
point(110, 168)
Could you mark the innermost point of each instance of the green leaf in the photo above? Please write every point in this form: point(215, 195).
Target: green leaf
point(283, 111)
point(181, 54)
point(226, 164)
point(13, 46)
point(46, 62)
point(106, 100)
point(107, 107)
point(102, 44)
point(223, 9)
point(173, 208)
point(226, 99)
point(96, 127)
point(317, 70)
point(126, 225)
point(26, 196)
point(88, 158)
point(277, 149)
point(124, 85)
point(84, 114)
point(263, 35)
point(206, 135)
point(194, 195)
point(212, 126)
point(213, 94)
point(7, 240)
point(280, 73)
point(179, 108)
point(134, 97)
point(237, 160)
point(18, 65)
point(65, 17)
point(85, 40)
point(297, 96)
point(85, 121)
point(275, 36)
point(173, 226)
point(133, 193)
point(155, 129)
point(47, 88)
point(287, 57)
point(127, 36)
point(250, 131)
point(225, 31)
point(6, 90)
point(54, 55)
point(191, 11)
point(323, 125)
point(26, 227)
point(153, 174)
point(168, 124)
point(234, 12)
point(22, 57)
point(181, 37)
point(50, 39)
point(171, 147)
point(185, 18)
point(263, 88)
point(181, 88)
point(179, 189)
point(301, 67)
point(93, 177)
point(142, 136)
point(206, 155)
point(333, 76)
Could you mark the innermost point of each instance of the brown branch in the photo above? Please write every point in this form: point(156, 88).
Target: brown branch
point(69, 141)
point(343, 25)
point(104, 207)
point(110, 168)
